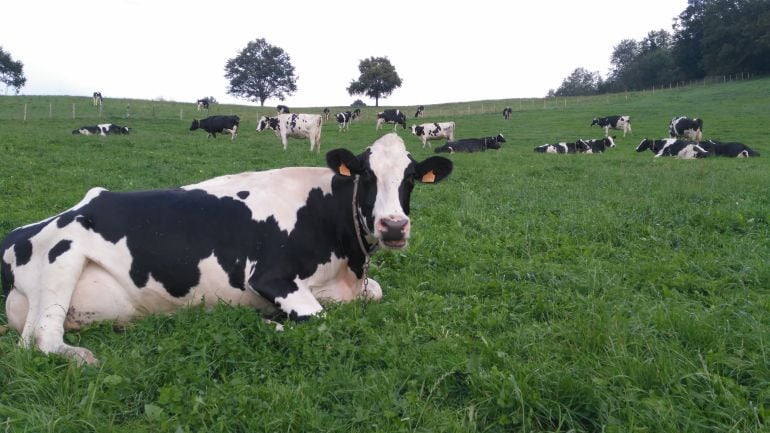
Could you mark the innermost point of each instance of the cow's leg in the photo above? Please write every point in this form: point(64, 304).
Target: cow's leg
point(16, 310)
point(296, 300)
point(606, 131)
point(284, 141)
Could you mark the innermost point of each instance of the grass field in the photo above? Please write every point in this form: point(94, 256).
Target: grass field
point(540, 293)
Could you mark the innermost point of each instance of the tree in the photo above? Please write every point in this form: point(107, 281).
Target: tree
point(580, 82)
point(261, 71)
point(378, 79)
point(11, 72)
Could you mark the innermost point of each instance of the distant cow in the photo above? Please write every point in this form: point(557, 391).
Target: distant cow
point(683, 150)
point(357, 113)
point(730, 149)
point(326, 113)
point(218, 124)
point(102, 129)
point(684, 127)
point(287, 240)
point(97, 98)
point(396, 117)
point(507, 111)
point(472, 144)
point(434, 131)
point(579, 146)
point(295, 126)
point(282, 109)
point(654, 145)
point(203, 104)
point(613, 122)
point(420, 112)
point(344, 119)
point(600, 145)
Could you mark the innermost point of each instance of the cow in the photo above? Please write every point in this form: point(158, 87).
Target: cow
point(420, 112)
point(281, 241)
point(98, 98)
point(218, 124)
point(600, 145)
point(202, 104)
point(344, 119)
point(507, 111)
point(396, 117)
point(326, 113)
point(102, 129)
point(684, 127)
point(579, 146)
point(357, 113)
point(730, 149)
point(282, 109)
point(294, 125)
point(654, 145)
point(472, 144)
point(434, 131)
point(682, 149)
point(613, 122)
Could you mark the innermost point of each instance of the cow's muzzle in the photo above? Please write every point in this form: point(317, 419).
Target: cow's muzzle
point(393, 233)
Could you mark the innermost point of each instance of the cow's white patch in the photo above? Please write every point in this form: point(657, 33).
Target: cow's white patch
point(389, 160)
point(301, 302)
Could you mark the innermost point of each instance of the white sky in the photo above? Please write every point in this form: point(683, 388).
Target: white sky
point(444, 51)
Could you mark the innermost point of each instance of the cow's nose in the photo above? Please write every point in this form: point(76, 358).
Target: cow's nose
point(393, 230)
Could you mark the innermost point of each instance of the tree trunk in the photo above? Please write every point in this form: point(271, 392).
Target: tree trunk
point(376, 101)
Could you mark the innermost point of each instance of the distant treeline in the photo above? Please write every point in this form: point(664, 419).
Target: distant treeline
point(710, 38)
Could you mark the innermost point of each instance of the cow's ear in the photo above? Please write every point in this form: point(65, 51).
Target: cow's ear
point(343, 162)
point(433, 169)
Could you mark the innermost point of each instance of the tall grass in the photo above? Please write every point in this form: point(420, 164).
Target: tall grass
point(540, 293)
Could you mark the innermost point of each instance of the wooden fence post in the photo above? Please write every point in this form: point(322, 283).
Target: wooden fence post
point(181, 110)
point(25, 112)
point(50, 110)
point(73, 110)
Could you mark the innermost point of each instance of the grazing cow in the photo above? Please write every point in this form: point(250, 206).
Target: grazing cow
point(344, 119)
point(579, 146)
point(284, 240)
point(654, 145)
point(472, 144)
point(600, 145)
point(357, 113)
point(684, 127)
point(327, 112)
point(203, 104)
point(97, 98)
point(730, 149)
point(420, 112)
point(282, 109)
point(683, 150)
point(221, 124)
point(613, 122)
point(295, 126)
point(507, 111)
point(102, 129)
point(396, 117)
point(434, 131)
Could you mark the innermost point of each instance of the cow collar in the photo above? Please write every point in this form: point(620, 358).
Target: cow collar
point(360, 224)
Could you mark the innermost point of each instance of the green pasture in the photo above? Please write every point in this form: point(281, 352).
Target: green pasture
point(540, 293)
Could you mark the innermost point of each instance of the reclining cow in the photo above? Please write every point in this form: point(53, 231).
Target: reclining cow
point(471, 145)
point(281, 240)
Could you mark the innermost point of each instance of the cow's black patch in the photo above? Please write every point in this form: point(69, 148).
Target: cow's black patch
point(60, 248)
point(243, 195)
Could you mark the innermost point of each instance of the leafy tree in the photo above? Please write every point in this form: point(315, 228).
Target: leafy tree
point(378, 79)
point(259, 72)
point(579, 83)
point(358, 103)
point(11, 72)
point(623, 54)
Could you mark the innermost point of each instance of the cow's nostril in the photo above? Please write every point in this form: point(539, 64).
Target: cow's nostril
point(393, 229)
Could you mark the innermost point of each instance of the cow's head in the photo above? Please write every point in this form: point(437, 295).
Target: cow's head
point(609, 141)
point(499, 138)
point(594, 122)
point(401, 119)
point(644, 145)
point(386, 176)
point(195, 125)
point(267, 122)
point(418, 130)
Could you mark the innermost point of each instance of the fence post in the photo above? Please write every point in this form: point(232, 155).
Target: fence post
point(73, 110)
point(50, 110)
point(25, 112)
point(180, 113)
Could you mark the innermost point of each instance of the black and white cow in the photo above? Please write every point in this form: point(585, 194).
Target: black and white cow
point(326, 113)
point(202, 104)
point(344, 119)
point(98, 98)
point(600, 145)
point(420, 111)
point(102, 129)
point(294, 125)
point(684, 127)
point(394, 116)
point(731, 149)
point(434, 131)
point(218, 124)
point(654, 145)
point(282, 109)
point(579, 146)
point(507, 111)
point(682, 149)
point(613, 122)
point(284, 240)
point(472, 144)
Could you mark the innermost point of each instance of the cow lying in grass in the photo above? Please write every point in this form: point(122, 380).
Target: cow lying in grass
point(472, 144)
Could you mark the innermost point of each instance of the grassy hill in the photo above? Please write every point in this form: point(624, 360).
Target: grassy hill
point(614, 292)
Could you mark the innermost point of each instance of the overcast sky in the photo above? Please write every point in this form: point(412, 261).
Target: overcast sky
point(444, 51)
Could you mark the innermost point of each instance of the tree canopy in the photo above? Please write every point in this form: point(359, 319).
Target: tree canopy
point(579, 82)
point(378, 79)
point(11, 72)
point(259, 72)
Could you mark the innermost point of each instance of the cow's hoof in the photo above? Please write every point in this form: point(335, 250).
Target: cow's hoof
point(79, 354)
